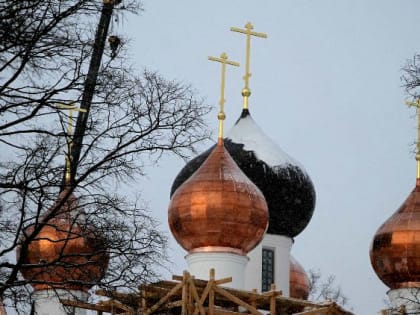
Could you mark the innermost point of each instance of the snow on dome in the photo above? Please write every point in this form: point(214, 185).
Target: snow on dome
point(246, 131)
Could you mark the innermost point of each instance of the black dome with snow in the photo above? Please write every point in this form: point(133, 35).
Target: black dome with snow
point(287, 188)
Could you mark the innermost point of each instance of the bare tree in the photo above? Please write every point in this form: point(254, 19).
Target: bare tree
point(405, 302)
point(411, 76)
point(49, 55)
point(325, 289)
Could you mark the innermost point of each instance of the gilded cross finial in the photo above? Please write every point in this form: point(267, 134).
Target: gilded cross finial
point(246, 92)
point(71, 108)
point(221, 115)
point(417, 105)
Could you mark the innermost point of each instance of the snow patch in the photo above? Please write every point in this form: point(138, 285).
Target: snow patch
point(247, 132)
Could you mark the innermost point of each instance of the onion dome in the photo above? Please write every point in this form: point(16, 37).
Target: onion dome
point(395, 249)
point(218, 209)
point(286, 186)
point(2, 309)
point(299, 281)
point(69, 253)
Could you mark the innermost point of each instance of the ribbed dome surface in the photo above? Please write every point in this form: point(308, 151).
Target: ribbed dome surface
point(395, 249)
point(70, 254)
point(299, 280)
point(287, 188)
point(218, 208)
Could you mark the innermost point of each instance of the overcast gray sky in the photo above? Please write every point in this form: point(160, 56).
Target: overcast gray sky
point(326, 87)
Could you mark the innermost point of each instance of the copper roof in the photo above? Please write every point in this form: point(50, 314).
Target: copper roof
point(218, 208)
point(66, 253)
point(299, 280)
point(395, 250)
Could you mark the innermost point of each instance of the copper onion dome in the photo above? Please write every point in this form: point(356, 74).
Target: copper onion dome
point(286, 186)
point(218, 208)
point(299, 281)
point(395, 249)
point(69, 253)
point(2, 309)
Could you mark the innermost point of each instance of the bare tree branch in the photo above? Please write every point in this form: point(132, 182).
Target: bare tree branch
point(48, 56)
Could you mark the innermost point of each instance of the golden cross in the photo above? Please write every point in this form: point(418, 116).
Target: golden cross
point(224, 61)
point(417, 105)
point(71, 108)
point(246, 92)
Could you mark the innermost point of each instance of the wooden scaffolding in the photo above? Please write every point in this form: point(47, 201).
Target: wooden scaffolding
point(186, 295)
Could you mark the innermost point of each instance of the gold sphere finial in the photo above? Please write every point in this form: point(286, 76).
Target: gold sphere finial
point(221, 116)
point(249, 26)
point(246, 92)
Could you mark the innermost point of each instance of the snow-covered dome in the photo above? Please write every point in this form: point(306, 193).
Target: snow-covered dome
point(218, 209)
point(286, 186)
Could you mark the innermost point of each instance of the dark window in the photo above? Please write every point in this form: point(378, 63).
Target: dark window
point(267, 275)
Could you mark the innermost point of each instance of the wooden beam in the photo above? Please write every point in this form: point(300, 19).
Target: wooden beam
point(211, 292)
point(223, 281)
point(177, 278)
point(184, 309)
point(83, 305)
point(253, 301)
point(173, 304)
point(318, 311)
point(220, 311)
point(164, 299)
point(89, 306)
point(116, 304)
point(204, 295)
point(236, 300)
point(194, 294)
point(203, 282)
point(125, 298)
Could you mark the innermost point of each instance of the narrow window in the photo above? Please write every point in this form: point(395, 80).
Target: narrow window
point(267, 275)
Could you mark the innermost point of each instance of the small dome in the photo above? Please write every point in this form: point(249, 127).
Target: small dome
point(287, 188)
point(2, 309)
point(395, 249)
point(218, 208)
point(299, 281)
point(69, 253)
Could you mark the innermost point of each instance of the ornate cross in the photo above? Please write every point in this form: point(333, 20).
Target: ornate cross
point(71, 108)
point(224, 61)
point(246, 92)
